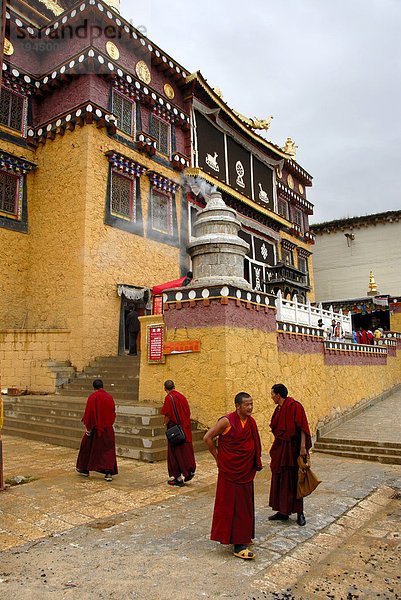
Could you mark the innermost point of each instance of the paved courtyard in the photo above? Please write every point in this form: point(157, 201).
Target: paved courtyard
point(72, 537)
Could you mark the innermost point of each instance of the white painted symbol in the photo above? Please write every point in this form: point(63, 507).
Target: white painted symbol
point(264, 251)
point(239, 167)
point(257, 279)
point(262, 194)
point(211, 161)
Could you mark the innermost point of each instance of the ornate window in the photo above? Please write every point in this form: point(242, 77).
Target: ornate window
point(283, 208)
point(122, 197)
point(297, 217)
point(161, 131)
point(162, 218)
point(287, 256)
point(302, 264)
point(123, 109)
point(162, 211)
point(13, 191)
point(10, 195)
point(123, 208)
point(12, 111)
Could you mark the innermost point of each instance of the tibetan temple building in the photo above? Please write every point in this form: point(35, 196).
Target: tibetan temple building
point(108, 148)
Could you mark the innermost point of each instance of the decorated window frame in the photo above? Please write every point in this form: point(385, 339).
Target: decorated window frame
point(125, 102)
point(282, 207)
point(7, 180)
point(115, 196)
point(14, 170)
point(20, 131)
point(303, 262)
point(162, 188)
point(297, 216)
point(166, 150)
point(126, 171)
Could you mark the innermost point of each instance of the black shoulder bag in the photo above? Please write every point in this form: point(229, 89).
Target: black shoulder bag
point(175, 435)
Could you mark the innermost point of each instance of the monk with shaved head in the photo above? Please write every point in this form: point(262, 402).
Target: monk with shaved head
point(238, 458)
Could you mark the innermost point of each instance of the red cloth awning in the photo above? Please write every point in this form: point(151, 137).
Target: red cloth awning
point(158, 289)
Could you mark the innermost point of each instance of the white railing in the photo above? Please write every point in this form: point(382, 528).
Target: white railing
point(292, 311)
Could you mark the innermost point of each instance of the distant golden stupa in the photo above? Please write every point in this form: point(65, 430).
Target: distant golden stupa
point(372, 285)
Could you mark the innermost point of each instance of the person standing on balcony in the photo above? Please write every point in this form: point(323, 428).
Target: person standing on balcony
point(291, 439)
point(181, 458)
point(338, 332)
point(98, 448)
point(332, 331)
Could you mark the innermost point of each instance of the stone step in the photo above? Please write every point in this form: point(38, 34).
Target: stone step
point(123, 424)
point(382, 458)
point(348, 441)
point(75, 432)
point(96, 368)
point(362, 449)
point(56, 412)
point(106, 376)
point(145, 454)
point(59, 363)
point(115, 361)
point(113, 385)
point(79, 403)
point(132, 396)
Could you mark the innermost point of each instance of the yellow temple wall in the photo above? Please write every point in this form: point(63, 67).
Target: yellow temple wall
point(24, 355)
point(113, 256)
point(239, 359)
point(56, 237)
point(14, 251)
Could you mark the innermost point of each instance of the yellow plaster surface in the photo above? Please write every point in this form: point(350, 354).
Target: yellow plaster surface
point(24, 355)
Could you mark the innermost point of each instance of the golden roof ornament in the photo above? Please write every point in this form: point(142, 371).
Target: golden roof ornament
point(253, 122)
point(372, 285)
point(53, 6)
point(218, 92)
point(290, 148)
point(114, 4)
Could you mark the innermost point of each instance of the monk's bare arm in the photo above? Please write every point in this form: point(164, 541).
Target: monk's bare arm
point(214, 432)
point(302, 451)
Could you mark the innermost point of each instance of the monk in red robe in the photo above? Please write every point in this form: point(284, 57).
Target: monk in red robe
point(291, 439)
point(181, 458)
point(98, 448)
point(238, 458)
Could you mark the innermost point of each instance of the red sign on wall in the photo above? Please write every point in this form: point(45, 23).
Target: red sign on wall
point(157, 305)
point(181, 347)
point(155, 337)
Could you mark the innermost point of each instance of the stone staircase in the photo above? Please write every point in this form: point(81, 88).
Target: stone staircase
point(384, 452)
point(120, 376)
point(370, 431)
point(56, 419)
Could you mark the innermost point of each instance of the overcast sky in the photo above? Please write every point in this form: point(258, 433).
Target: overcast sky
point(329, 71)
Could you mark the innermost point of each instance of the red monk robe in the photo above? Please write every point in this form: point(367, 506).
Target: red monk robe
point(286, 424)
point(181, 458)
point(238, 459)
point(98, 450)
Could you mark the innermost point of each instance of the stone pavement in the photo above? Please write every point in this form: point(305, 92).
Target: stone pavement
point(86, 539)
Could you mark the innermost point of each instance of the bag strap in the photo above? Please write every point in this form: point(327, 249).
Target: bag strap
point(175, 410)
